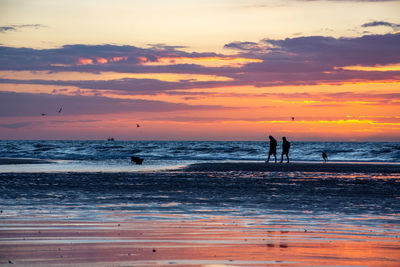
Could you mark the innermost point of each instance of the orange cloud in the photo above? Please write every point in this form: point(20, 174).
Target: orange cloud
point(101, 60)
point(106, 75)
point(85, 61)
point(203, 61)
point(116, 59)
point(390, 67)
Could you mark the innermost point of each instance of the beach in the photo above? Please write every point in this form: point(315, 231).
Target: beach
point(209, 242)
point(353, 167)
point(207, 214)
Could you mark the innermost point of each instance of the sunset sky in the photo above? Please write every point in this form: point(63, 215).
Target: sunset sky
point(200, 70)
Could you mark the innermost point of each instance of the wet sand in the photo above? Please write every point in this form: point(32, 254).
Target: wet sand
point(297, 167)
point(236, 214)
point(348, 167)
point(215, 242)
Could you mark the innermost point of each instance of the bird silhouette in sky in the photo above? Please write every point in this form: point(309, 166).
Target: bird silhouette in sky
point(137, 125)
point(43, 114)
point(59, 111)
point(292, 118)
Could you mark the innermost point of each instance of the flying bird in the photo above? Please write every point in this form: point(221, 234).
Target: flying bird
point(59, 111)
point(292, 118)
point(137, 125)
point(43, 114)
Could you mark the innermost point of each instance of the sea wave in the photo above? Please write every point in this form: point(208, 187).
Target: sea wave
point(197, 150)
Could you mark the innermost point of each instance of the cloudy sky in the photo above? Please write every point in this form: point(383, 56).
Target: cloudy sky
point(200, 70)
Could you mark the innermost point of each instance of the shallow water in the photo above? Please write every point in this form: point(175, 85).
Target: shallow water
point(99, 209)
point(289, 196)
point(84, 166)
point(178, 218)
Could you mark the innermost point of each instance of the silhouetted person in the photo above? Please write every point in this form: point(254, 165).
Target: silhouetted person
point(272, 148)
point(285, 149)
point(325, 156)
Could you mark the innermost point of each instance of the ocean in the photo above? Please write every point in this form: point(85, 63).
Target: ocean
point(92, 207)
point(114, 156)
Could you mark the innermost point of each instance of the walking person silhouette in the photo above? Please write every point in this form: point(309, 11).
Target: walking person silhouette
point(272, 148)
point(285, 149)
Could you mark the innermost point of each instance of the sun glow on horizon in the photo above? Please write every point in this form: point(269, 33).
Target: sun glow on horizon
point(390, 67)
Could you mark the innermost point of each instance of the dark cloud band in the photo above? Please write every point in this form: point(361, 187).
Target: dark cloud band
point(26, 104)
point(15, 27)
point(305, 60)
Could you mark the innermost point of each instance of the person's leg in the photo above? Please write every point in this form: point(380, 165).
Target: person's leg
point(269, 155)
point(287, 155)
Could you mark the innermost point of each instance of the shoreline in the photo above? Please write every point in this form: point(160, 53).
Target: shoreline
point(27, 165)
point(295, 167)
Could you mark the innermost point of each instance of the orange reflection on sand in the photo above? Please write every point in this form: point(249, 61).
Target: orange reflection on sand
point(210, 242)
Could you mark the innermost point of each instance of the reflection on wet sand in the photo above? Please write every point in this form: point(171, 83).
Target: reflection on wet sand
point(216, 241)
point(207, 218)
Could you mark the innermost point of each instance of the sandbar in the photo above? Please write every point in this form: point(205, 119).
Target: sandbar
point(10, 161)
point(296, 167)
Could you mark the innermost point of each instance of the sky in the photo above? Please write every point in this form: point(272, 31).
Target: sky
point(310, 70)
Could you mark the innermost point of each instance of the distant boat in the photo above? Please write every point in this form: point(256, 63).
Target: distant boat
point(110, 139)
